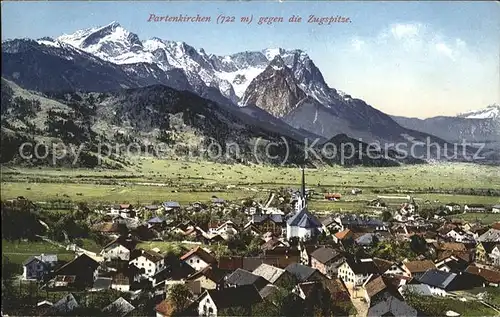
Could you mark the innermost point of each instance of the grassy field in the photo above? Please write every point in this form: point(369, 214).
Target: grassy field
point(151, 180)
point(474, 217)
point(19, 251)
point(439, 306)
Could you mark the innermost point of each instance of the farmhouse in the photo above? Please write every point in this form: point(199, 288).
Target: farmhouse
point(212, 302)
point(268, 223)
point(37, 267)
point(355, 271)
point(119, 249)
point(242, 277)
point(272, 274)
point(83, 268)
point(198, 258)
point(474, 208)
point(209, 278)
point(150, 261)
point(326, 260)
point(417, 268)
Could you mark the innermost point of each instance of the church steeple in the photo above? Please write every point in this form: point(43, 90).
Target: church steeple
point(303, 188)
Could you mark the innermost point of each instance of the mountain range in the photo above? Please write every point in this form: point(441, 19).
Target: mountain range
point(279, 91)
point(479, 126)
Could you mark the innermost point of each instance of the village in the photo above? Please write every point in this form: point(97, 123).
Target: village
point(267, 258)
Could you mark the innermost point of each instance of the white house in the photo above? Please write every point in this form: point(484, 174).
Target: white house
point(118, 249)
point(213, 301)
point(495, 255)
point(198, 258)
point(357, 271)
point(226, 228)
point(396, 269)
point(459, 236)
point(36, 267)
point(152, 262)
point(474, 208)
point(452, 207)
point(495, 209)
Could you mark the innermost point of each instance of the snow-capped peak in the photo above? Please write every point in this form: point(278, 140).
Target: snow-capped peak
point(271, 53)
point(490, 112)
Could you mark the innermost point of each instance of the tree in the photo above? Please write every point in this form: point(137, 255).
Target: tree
point(180, 295)
point(418, 244)
point(386, 215)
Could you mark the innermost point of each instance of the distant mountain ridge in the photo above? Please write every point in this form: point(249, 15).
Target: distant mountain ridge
point(490, 112)
point(479, 126)
point(281, 88)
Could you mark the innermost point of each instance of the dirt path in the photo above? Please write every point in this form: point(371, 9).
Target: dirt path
point(361, 307)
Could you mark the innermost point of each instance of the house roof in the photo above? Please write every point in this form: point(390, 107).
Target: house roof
point(109, 227)
point(31, 259)
point(268, 272)
point(392, 306)
point(324, 254)
point(119, 307)
point(151, 255)
point(362, 266)
point(47, 257)
point(156, 220)
point(375, 286)
point(171, 204)
point(272, 244)
point(301, 272)
point(65, 305)
point(268, 290)
point(82, 261)
point(335, 286)
point(276, 218)
point(243, 277)
point(492, 235)
point(345, 234)
point(356, 221)
point(251, 263)
point(230, 263)
point(383, 265)
point(366, 238)
point(304, 219)
point(496, 225)
point(212, 273)
point(130, 244)
point(201, 253)
point(419, 266)
point(437, 278)
point(245, 295)
point(489, 275)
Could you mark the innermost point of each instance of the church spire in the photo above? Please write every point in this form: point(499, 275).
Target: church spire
point(303, 186)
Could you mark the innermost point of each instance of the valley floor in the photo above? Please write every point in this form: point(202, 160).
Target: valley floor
point(150, 180)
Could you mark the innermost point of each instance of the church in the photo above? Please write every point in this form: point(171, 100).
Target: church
point(302, 224)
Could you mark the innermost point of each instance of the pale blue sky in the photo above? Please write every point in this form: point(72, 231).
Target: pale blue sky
point(408, 58)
